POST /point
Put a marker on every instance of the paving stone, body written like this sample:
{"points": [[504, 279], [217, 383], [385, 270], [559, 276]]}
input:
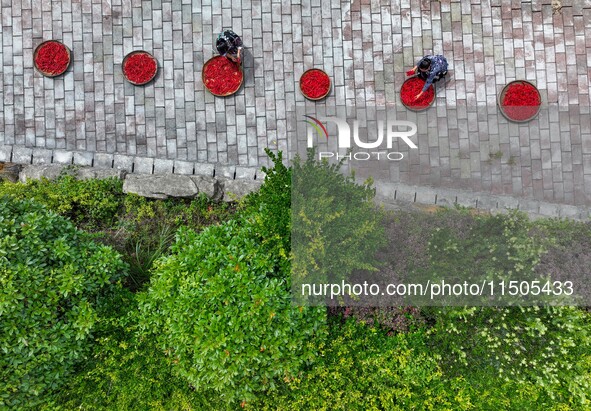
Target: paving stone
{"points": [[22, 155], [425, 195], [225, 171], [122, 162], [42, 156], [103, 160], [143, 165], [204, 169], [163, 166], [62, 157], [245, 173], [83, 158], [183, 167], [5, 153]]}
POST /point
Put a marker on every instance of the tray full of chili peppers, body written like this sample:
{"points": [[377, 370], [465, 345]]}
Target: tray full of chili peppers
{"points": [[139, 67], [221, 76], [315, 84], [520, 101], [52, 58], [409, 94]]}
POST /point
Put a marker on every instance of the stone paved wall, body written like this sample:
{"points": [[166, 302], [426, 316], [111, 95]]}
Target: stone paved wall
{"points": [[364, 45]]}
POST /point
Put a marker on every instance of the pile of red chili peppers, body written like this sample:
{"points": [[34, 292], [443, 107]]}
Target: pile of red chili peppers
{"points": [[222, 76], [139, 68], [521, 101], [411, 89], [52, 58], [315, 83]]}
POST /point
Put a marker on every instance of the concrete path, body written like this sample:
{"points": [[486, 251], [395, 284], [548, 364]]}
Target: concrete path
{"points": [[364, 45]]}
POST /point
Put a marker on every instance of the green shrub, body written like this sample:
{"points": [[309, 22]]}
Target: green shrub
{"points": [[548, 348], [360, 368], [125, 372], [336, 227], [52, 280], [91, 203], [224, 317], [269, 209]]}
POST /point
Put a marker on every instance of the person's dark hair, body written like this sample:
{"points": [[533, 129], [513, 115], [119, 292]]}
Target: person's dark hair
{"points": [[222, 46], [424, 64]]}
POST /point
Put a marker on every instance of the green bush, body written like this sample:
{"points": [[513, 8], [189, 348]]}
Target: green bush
{"points": [[125, 372], [360, 368], [224, 317], [90, 203], [52, 280], [548, 348], [336, 227], [271, 204]]}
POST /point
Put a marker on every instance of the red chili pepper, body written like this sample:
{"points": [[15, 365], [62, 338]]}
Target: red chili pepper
{"points": [[521, 101], [52, 58], [314, 83], [411, 89], [222, 76], [140, 68]]}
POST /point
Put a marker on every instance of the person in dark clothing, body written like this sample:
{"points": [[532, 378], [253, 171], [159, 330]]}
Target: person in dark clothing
{"points": [[229, 44], [431, 69]]}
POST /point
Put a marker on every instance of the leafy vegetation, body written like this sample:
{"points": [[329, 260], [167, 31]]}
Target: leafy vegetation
{"points": [[90, 204], [53, 279], [207, 321], [336, 227], [224, 317], [360, 368]]}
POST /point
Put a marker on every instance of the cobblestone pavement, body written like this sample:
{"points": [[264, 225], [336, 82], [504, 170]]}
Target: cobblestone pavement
{"points": [[365, 46]]}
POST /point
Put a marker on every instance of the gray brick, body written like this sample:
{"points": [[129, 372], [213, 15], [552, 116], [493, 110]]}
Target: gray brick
{"points": [[22, 155], [143, 165], [225, 171], [42, 156], [83, 158], [103, 160], [183, 167], [163, 166], [123, 162], [245, 173], [62, 157], [5, 153], [204, 169], [549, 210]]}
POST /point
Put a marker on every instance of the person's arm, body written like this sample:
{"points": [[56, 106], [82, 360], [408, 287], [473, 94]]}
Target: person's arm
{"points": [[429, 81], [412, 71]]}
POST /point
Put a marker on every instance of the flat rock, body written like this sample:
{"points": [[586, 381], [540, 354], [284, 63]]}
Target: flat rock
{"points": [[234, 190], [171, 185], [37, 172], [100, 173]]}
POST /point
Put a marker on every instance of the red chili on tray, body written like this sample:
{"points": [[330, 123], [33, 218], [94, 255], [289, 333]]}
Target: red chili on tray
{"points": [[411, 89], [52, 58], [521, 101], [315, 84], [139, 67], [222, 76]]}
